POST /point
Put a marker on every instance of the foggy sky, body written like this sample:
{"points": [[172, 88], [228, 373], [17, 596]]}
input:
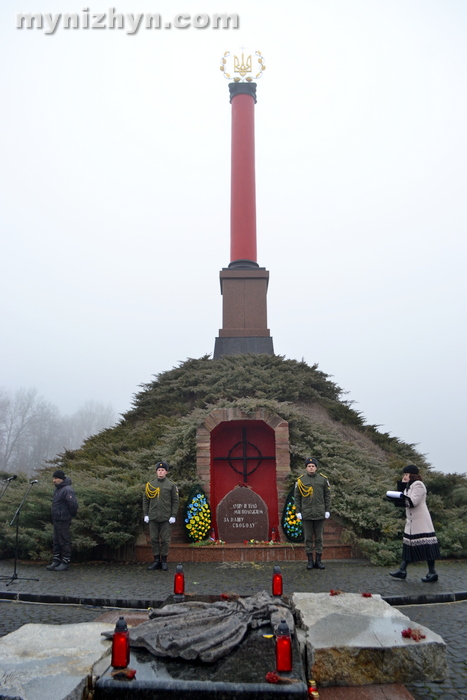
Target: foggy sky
{"points": [[114, 201]]}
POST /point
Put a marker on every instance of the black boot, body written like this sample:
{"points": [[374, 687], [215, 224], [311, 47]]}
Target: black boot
{"points": [[318, 563], [310, 561], [401, 572], [54, 565], [63, 566], [431, 576], [164, 566], [156, 564]]}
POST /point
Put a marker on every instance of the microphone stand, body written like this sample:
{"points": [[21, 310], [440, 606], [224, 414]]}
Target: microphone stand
{"points": [[7, 483], [14, 576]]}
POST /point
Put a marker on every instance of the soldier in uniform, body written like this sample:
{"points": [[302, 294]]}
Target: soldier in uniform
{"points": [[160, 506], [313, 502]]}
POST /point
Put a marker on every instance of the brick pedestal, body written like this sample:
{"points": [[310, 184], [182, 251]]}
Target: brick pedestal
{"points": [[244, 312]]}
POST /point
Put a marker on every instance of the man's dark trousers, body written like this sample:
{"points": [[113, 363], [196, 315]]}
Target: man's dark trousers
{"points": [[313, 529], [62, 540], [160, 537]]}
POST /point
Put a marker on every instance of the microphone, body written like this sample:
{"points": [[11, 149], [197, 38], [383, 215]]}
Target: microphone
{"points": [[11, 478], [36, 481]]}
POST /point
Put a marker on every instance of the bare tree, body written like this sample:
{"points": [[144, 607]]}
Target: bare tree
{"points": [[20, 416], [33, 431], [90, 419]]}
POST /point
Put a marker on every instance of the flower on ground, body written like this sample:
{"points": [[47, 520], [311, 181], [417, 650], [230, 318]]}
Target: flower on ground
{"points": [[415, 634], [272, 677]]}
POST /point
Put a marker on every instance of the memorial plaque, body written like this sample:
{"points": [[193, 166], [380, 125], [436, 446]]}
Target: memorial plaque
{"points": [[242, 515]]}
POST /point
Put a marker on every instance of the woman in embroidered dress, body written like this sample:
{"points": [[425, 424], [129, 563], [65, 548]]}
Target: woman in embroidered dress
{"points": [[419, 542]]}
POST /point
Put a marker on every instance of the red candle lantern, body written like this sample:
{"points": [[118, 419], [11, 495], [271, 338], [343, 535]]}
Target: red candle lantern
{"points": [[312, 689], [275, 535], [283, 648], [277, 581], [121, 645], [179, 581]]}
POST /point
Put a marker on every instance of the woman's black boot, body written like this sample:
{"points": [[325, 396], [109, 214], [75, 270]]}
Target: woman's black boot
{"points": [[401, 572], [431, 576]]}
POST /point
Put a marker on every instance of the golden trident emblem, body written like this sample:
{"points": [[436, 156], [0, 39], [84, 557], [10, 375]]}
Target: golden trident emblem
{"points": [[231, 64], [242, 68]]}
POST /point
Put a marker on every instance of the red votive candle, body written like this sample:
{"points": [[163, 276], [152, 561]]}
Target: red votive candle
{"points": [[121, 645], [277, 581], [179, 581], [283, 648]]}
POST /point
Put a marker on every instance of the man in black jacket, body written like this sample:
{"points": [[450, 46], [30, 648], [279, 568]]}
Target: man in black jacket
{"points": [[64, 508]]}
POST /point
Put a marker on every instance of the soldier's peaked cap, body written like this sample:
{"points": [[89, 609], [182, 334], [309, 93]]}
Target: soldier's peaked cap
{"points": [[311, 460]]}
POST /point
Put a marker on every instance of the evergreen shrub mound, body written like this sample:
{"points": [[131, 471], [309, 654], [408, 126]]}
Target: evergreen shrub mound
{"points": [[110, 469]]}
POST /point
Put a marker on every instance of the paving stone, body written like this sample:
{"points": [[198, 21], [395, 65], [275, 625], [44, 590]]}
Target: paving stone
{"points": [[374, 692]]}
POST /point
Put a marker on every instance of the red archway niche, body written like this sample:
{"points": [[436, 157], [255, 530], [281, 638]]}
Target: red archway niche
{"points": [[243, 452], [274, 483]]}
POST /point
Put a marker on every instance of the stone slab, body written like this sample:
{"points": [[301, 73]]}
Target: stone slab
{"points": [[238, 676], [352, 640], [50, 662]]}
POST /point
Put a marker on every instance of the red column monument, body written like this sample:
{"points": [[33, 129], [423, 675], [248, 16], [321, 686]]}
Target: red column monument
{"points": [[243, 186], [243, 284]]}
